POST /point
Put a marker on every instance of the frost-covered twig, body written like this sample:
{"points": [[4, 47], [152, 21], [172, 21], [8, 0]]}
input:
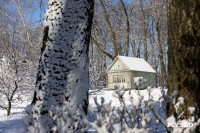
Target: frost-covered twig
{"points": [[157, 115]]}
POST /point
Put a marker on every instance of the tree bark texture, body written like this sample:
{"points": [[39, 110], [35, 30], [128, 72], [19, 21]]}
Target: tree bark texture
{"points": [[62, 77], [9, 108], [184, 52], [145, 16], [161, 58]]}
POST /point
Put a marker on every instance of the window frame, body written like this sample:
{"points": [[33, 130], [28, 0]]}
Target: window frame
{"points": [[119, 79]]}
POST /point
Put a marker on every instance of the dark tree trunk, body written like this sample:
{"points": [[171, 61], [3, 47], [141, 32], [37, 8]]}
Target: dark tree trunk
{"points": [[161, 58], [117, 48], [9, 108], [127, 29], [184, 52]]}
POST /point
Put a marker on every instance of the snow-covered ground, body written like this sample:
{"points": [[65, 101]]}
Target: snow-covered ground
{"points": [[14, 122], [111, 95]]}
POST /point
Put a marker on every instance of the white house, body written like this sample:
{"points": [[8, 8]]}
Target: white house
{"points": [[123, 69]]}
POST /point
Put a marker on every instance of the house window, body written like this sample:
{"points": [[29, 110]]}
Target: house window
{"points": [[118, 78], [114, 78], [123, 78]]}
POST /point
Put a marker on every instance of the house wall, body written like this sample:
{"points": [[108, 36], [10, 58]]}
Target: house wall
{"points": [[126, 83], [146, 75], [118, 66]]}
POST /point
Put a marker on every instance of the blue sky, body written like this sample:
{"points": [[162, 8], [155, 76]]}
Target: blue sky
{"points": [[38, 15]]}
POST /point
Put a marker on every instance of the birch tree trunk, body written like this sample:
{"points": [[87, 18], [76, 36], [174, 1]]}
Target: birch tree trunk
{"points": [[62, 78], [184, 52]]}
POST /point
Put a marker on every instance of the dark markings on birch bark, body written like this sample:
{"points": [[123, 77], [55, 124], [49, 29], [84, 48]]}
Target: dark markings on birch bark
{"points": [[39, 78], [45, 38]]}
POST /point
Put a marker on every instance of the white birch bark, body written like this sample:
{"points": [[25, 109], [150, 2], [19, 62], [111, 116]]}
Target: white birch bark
{"points": [[62, 78]]}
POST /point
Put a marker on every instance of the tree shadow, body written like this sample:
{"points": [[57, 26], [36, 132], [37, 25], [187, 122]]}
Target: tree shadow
{"points": [[12, 126]]}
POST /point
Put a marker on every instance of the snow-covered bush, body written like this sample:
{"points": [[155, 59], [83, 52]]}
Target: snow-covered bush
{"points": [[97, 71], [97, 78], [136, 116], [179, 123], [125, 119], [139, 81], [141, 116], [66, 119]]}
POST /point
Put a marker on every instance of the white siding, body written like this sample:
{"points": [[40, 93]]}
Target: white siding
{"points": [[118, 66]]}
